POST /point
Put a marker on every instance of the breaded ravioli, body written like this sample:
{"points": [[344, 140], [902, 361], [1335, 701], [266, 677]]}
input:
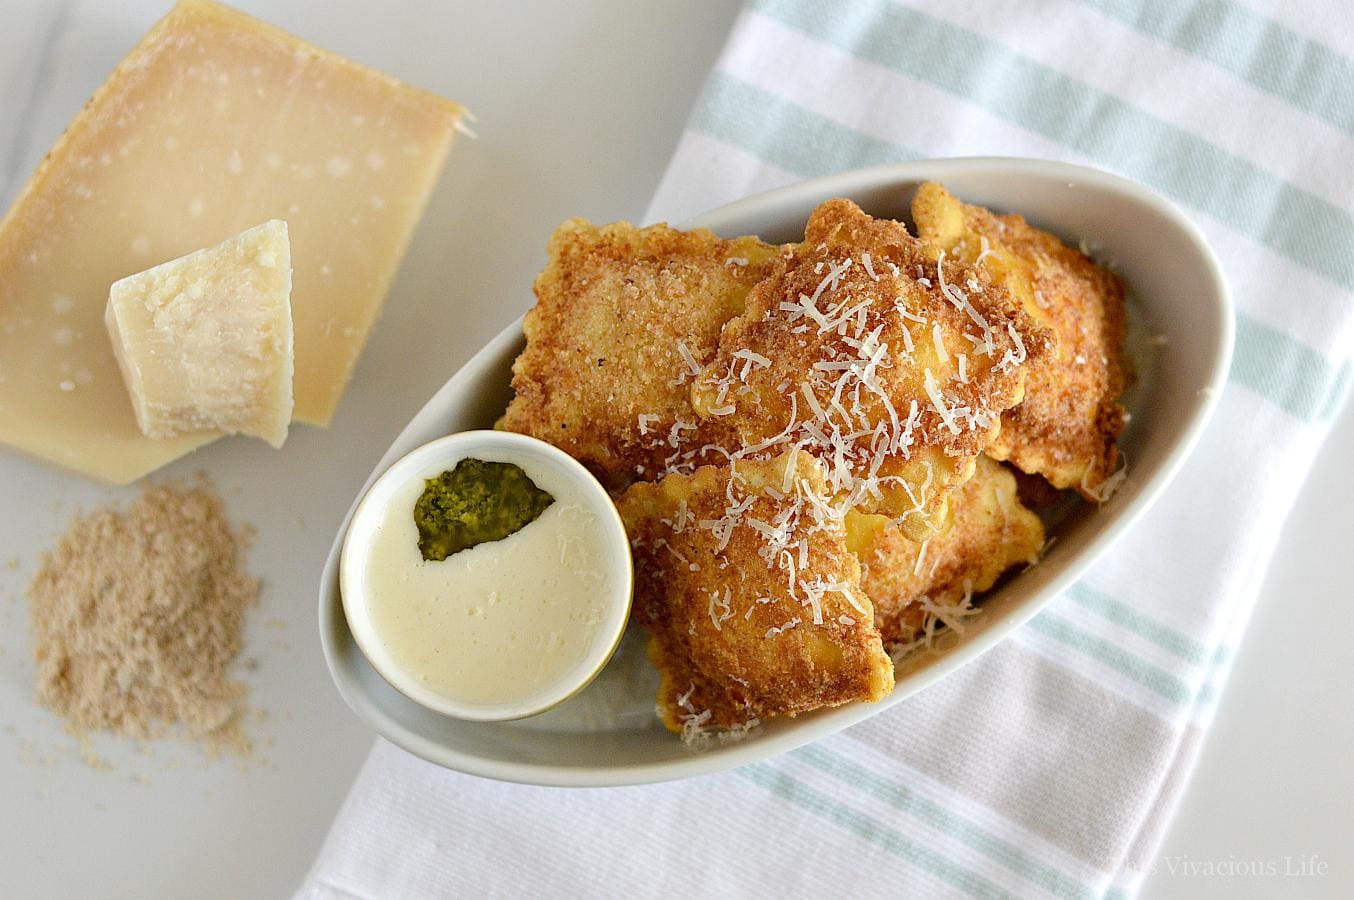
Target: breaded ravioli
{"points": [[891, 368], [750, 595], [624, 317], [989, 532], [1068, 424]]}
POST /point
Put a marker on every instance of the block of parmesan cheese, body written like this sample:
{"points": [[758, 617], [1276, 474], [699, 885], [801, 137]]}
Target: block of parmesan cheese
{"points": [[215, 122], [205, 341]]}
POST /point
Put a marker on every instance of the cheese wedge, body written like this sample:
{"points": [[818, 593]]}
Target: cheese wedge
{"points": [[205, 341], [214, 123]]}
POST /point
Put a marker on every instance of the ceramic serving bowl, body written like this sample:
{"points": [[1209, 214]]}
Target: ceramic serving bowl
{"points": [[608, 734]]}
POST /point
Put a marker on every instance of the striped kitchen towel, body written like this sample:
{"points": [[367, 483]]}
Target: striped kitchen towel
{"points": [[1050, 766]]}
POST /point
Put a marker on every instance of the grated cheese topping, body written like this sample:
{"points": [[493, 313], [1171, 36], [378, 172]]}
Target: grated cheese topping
{"points": [[935, 616], [939, 340], [841, 411], [961, 302], [1107, 488]]}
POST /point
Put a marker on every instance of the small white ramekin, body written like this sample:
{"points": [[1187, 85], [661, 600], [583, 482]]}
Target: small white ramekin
{"points": [[442, 454]]}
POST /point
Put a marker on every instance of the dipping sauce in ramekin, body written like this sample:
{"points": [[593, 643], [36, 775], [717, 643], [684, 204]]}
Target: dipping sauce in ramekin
{"points": [[468, 611]]}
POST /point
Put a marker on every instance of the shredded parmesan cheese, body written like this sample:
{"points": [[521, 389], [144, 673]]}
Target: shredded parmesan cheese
{"points": [[938, 401], [939, 340], [868, 264], [1107, 488]]}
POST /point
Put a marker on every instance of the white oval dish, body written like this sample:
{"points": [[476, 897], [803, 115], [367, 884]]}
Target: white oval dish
{"points": [[608, 734], [554, 471]]}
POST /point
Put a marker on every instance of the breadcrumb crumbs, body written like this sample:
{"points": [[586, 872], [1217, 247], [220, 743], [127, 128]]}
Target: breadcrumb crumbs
{"points": [[137, 619]]}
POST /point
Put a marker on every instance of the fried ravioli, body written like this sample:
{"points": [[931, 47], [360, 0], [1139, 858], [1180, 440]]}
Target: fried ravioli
{"points": [[1067, 426], [989, 532], [750, 595], [624, 318], [892, 369]]}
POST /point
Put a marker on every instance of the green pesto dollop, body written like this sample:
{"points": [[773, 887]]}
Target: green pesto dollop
{"points": [[475, 503]]}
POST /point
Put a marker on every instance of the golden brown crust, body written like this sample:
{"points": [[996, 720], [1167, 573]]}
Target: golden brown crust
{"points": [[733, 630], [846, 387], [862, 289], [613, 305], [1067, 427], [989, 532]]}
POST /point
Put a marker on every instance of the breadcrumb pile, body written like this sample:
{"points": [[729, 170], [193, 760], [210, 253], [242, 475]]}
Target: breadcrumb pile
{"points": [[137, 618]]}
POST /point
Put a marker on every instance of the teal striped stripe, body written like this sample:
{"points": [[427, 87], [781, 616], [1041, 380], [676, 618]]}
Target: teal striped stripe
{"points": [[806, 144], [1292, 222], [1338, 393], [1209, 690], [1293, 375], [870, 829], [1156, 680], [904, 799], [785, 134], [1122, 614], [1267, 55]]}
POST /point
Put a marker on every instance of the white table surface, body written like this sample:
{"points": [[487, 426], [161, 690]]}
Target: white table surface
{"points": [[580, 106]]}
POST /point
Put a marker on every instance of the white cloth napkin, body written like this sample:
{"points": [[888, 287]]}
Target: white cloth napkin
{"points": [[1050, 766]]}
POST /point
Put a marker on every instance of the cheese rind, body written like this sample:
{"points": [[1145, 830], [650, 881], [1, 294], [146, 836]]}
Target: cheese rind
{"points": [[204, 342], [215, 122]]}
